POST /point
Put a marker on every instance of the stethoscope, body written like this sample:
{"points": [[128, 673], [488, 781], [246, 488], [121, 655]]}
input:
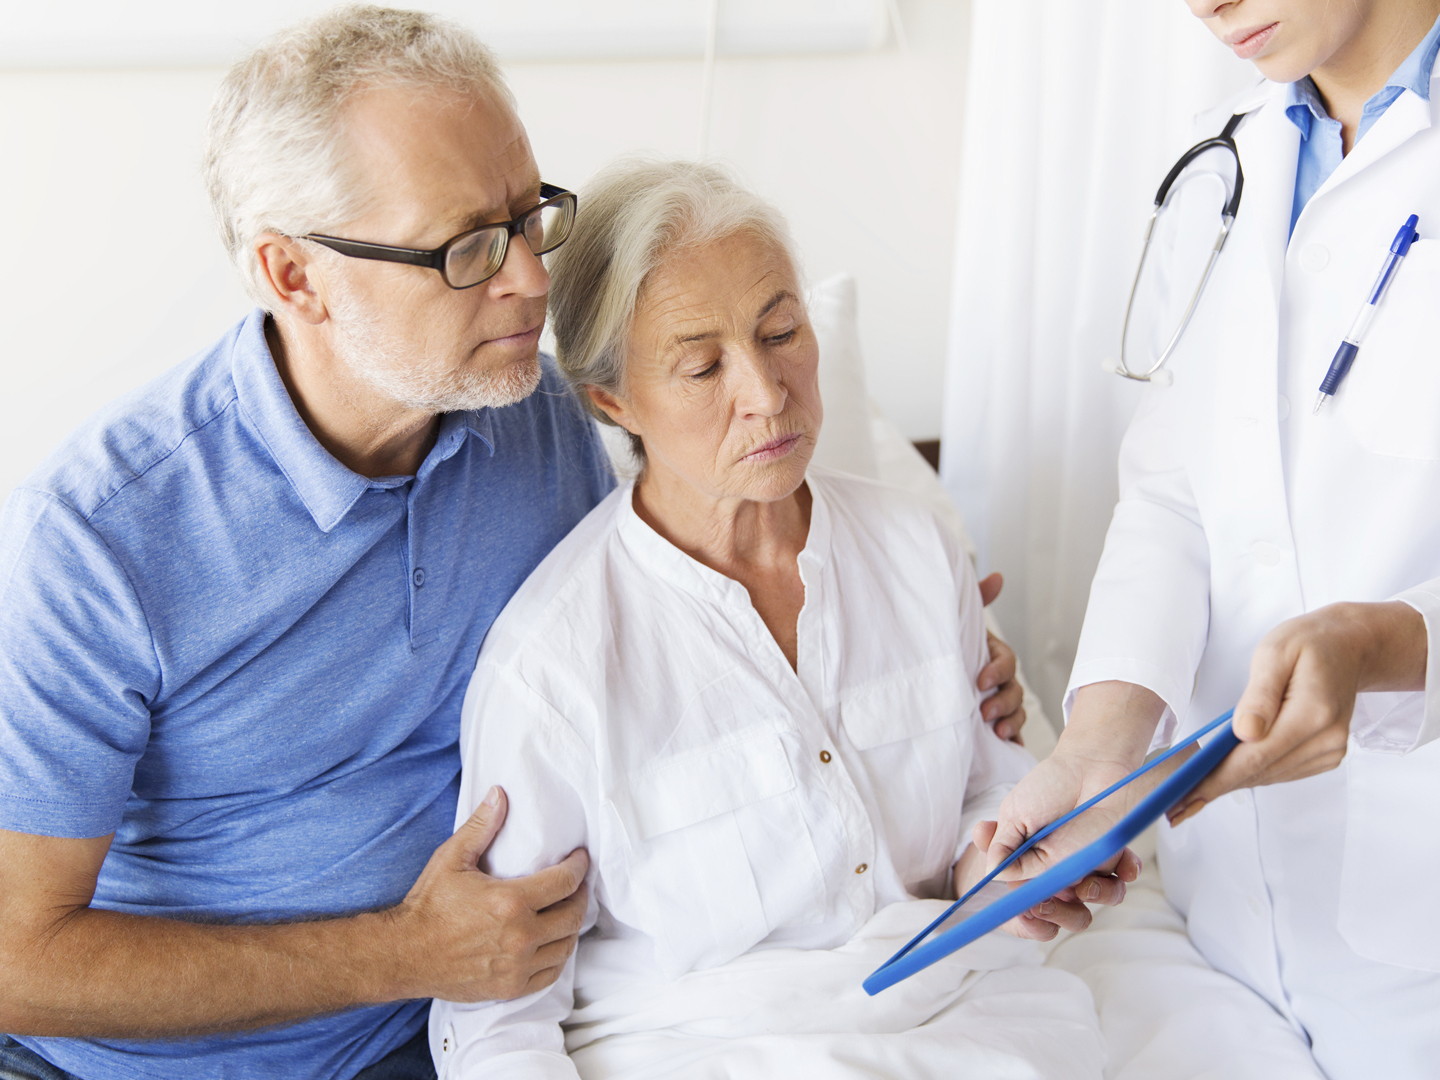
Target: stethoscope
{"points": [[1224, 141]]}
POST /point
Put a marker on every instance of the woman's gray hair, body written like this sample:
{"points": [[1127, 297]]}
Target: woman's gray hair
{"points": [[276, 156], [633, 215]]}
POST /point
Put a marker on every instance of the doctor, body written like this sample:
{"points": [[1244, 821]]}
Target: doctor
{"points": [[1290, 560]]}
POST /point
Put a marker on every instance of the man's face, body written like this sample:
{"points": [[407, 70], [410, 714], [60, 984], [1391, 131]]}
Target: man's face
{"points": [[1285, 39], [435, 163]]}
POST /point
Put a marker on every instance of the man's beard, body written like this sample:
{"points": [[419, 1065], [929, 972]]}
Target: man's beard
{"points": [[410, 378]]}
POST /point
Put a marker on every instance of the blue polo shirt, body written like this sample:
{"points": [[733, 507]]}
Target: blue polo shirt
{"points": [[247, 662]]}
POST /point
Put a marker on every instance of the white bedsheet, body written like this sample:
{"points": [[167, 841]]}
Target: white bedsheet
{"points": [[1165, 1013], [988, 1011]]}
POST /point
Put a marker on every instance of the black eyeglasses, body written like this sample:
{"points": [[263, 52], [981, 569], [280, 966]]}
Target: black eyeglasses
{"points": [[476, 255]]}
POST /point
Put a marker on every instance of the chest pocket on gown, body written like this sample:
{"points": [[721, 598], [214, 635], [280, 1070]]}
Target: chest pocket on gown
{"points": [[720, 854], [1391, 398], [915, 733]]}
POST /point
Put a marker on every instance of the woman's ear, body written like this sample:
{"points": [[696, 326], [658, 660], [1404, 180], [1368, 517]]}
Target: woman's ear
{"points": [[613, 407]]}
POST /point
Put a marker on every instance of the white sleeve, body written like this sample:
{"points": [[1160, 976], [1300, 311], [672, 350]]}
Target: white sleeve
{"points": [[1149, 610], [997, 764], [512, 738], [1396, 723]]}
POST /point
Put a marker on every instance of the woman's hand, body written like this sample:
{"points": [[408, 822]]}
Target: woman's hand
{"points": [[1110, 727], [1293, 720], [1006, 707], [1066, 910]]}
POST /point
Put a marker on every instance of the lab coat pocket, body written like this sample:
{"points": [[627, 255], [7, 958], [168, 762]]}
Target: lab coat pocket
{"points": [[916, 731], [1391, 873], [719, 851], [1391, 398]]}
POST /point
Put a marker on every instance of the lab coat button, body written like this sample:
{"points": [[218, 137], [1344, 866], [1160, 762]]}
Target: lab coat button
{"points": [[1266, 554], [1282, 406], [862, 868], [825, 756], [1314, 257]]}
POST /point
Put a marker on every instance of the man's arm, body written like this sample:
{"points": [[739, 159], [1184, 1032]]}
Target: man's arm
{"points": [[1005, 708], [72, 970]]}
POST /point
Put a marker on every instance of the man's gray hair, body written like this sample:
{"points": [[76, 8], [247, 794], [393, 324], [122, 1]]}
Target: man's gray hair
{"points": [[276, 156], [632, 216]]}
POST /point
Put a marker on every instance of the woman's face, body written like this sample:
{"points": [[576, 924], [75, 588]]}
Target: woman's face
{"points": [[721, 373], [1285, 39]]}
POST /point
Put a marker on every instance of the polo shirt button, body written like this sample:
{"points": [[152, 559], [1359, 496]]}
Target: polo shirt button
{"points": [[418, 577], [1314, 257], [825, 756], [862, 868]]}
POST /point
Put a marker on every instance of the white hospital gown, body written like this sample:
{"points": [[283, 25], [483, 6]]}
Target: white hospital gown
{"points": [[631, 701]]}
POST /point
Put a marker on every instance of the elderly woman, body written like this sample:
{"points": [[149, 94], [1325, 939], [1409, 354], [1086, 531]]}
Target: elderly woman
{"points": [[746, 686]]}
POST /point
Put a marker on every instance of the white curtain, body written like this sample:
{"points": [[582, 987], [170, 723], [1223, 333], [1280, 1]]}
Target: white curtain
{"points": [[1073, 114]]}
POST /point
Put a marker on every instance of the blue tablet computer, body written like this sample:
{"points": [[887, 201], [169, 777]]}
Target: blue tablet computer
{"points": [[919, 953]]}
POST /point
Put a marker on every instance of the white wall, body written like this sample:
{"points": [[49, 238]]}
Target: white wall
{"points": [[113, 272]]}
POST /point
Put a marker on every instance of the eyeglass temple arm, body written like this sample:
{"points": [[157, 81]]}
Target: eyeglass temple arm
{"points": [[358, 249]]}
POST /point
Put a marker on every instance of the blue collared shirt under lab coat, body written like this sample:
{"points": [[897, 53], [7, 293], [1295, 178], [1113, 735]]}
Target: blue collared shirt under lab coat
{"points": [[1321, 148]]}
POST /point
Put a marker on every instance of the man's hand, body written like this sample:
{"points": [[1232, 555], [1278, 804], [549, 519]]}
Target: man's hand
{"points": [[477, 938], [1066, 910], [1293, 720], [1006, 707]]}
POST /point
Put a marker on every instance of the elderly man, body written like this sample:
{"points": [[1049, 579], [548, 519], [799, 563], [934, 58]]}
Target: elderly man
{"points": [[238, 611]]}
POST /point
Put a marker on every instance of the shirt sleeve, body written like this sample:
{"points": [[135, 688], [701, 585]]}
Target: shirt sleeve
{"points": [[1149, 610], [1396, 723], [77, 671], [512, 738]]}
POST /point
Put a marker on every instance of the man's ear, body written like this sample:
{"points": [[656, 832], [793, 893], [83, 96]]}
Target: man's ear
{"points": [[613, 407], [287, 271]]}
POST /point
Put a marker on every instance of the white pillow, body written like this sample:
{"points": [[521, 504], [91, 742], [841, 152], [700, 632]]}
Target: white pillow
{"points": [[846, 442]]}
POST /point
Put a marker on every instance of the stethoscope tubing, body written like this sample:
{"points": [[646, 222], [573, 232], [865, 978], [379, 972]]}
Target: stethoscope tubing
{"points": [[1224, 141]]}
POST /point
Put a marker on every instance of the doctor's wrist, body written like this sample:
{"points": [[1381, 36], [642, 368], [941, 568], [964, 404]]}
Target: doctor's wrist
{"points": [[1391, 641], [1112, 721]]}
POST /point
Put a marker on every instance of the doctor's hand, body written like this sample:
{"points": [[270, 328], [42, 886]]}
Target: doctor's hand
{"points": [[1293, 719], [1006, 707], [1064, 911]]}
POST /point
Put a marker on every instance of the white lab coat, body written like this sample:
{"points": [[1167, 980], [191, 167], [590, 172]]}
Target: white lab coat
{"points": [[1238, 510]]}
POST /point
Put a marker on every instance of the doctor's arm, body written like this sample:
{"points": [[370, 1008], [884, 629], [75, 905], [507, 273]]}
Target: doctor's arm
{"points": [[1145, 631], [996, 765], [1294, 718]]}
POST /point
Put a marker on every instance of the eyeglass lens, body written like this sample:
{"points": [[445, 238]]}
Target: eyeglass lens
{"points": [[478, 256]]}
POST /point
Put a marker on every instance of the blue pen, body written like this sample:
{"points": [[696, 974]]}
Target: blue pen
{"points": [[1345, 355]]}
